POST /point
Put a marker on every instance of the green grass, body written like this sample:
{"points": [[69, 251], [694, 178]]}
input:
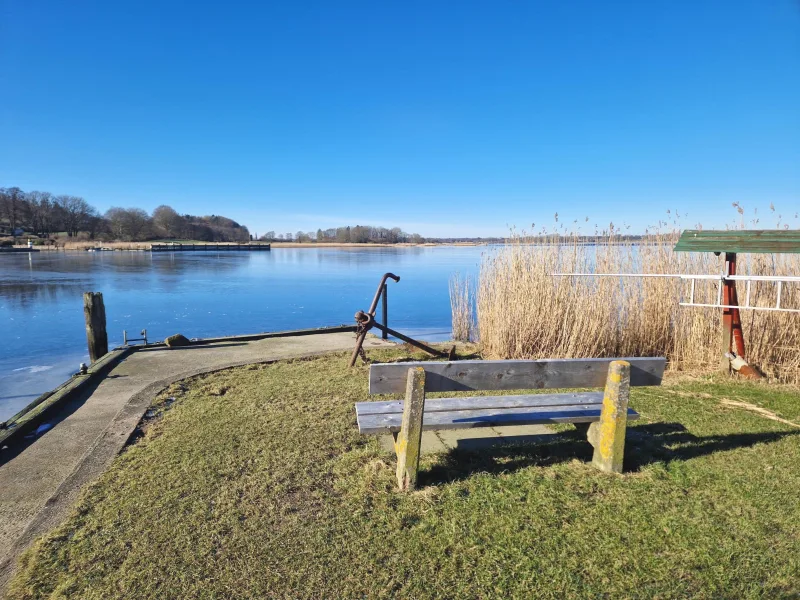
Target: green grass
{"points": [[255, 483]]}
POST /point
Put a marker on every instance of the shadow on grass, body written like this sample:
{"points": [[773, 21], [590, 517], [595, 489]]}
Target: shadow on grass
{"points": [[644, 445]]}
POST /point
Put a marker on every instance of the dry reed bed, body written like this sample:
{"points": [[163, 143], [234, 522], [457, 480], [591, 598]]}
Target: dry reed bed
{"points": [[461, 303], [523, 311]]}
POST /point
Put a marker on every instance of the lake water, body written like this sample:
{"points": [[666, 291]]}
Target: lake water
{"points": [[42, 332]]}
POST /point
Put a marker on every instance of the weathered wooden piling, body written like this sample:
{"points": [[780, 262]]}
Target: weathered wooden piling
{"points": [[94, 311]]}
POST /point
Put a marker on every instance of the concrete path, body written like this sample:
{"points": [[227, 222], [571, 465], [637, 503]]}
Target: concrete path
{"points": [[39, 481]]}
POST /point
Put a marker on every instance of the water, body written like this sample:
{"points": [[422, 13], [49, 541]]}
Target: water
{"points": [[42, 332]]}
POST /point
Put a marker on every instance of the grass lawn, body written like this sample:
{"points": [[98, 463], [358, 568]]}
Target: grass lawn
{"points": [[254, 483]]}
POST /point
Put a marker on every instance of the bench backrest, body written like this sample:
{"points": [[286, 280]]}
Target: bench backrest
{"points": [[475, 375]]}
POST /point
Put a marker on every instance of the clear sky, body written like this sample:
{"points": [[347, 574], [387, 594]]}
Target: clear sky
{"points": [[444, 118]]}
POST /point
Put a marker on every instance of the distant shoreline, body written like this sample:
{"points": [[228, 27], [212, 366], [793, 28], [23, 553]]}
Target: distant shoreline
{"points": [[145, 246], [142, 246], [369, 245]]}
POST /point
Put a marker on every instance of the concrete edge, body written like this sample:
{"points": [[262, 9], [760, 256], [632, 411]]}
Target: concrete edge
{"points": [[31, 416], [102, 452]]}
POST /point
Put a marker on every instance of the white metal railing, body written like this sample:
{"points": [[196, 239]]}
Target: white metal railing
{"points": [[779, 280]]}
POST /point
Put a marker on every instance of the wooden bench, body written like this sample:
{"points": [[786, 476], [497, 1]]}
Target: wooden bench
{"points": [[603, 415]]}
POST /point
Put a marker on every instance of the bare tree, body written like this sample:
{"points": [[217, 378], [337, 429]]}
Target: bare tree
{"points": [[168, 221], [11, 205], [96, 225], [138, 223], [130, 224], [42, 211], [74, 212]]}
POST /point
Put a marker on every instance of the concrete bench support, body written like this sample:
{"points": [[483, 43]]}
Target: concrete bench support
{"points": [[407, 441], [608, 434]]}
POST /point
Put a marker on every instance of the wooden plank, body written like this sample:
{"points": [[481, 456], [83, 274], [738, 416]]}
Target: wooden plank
{"points": [[472, 375], [483, 402], [758, 241], [467, 419]]}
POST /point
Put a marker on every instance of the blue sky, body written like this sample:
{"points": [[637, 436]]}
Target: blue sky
{"points": [[445, 118]]}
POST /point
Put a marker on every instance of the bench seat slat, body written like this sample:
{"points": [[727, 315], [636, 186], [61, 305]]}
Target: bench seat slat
{"points": [[466, 419], [483, 402]]}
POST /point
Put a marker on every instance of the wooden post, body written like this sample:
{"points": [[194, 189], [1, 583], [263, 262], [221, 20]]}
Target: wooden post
{"points": [[385, 335], [407, 442], [94, 311], [608, 435]]}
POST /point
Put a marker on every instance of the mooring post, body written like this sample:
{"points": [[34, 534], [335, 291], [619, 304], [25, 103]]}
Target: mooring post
{"points": [[385, 335], [94, 311]]}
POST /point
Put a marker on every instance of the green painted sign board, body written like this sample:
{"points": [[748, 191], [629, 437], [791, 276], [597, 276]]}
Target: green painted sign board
{"points": [[744, 241]]}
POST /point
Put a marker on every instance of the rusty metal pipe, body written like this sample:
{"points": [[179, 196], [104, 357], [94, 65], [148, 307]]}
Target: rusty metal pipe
{"points": [[366, 321], [367, 324], [411, 341], [359, 343], [385, 305], [374, 305]]}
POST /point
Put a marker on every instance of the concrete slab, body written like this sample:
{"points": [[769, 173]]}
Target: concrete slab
{"points": [[476, 438], [41, 478], [431, 443]]}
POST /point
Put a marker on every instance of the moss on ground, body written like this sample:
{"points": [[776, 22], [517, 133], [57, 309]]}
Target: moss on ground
{"points": [[254, 483]]}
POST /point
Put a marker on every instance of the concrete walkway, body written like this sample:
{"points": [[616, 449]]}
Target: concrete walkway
{"points": [[39, 481]]}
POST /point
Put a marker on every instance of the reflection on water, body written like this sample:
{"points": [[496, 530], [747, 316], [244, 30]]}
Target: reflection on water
{"points": [[42, 336]]}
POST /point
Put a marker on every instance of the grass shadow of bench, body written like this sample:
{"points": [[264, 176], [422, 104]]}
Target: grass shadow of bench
{"points": [[645, 445]]}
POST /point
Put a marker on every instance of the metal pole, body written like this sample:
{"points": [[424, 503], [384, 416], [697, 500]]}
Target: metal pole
{"points": [[371, 312], [416, 343], [374, 304], [738, 334], [385, 335], [724, 297]]}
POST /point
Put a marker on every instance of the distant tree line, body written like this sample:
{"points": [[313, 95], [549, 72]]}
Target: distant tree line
{"points": [[45, 215], [357, 234]]}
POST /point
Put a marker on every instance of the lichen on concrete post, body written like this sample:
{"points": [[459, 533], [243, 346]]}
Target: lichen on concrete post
{"points": [[608, 434], [407, 442]]}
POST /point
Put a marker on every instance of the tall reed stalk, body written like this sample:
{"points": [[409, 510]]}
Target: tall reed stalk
{"points": [[461, 308], [524, 311]]}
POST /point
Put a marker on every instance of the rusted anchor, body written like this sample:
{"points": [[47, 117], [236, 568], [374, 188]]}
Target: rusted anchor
{"points": [[366, 321]]}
